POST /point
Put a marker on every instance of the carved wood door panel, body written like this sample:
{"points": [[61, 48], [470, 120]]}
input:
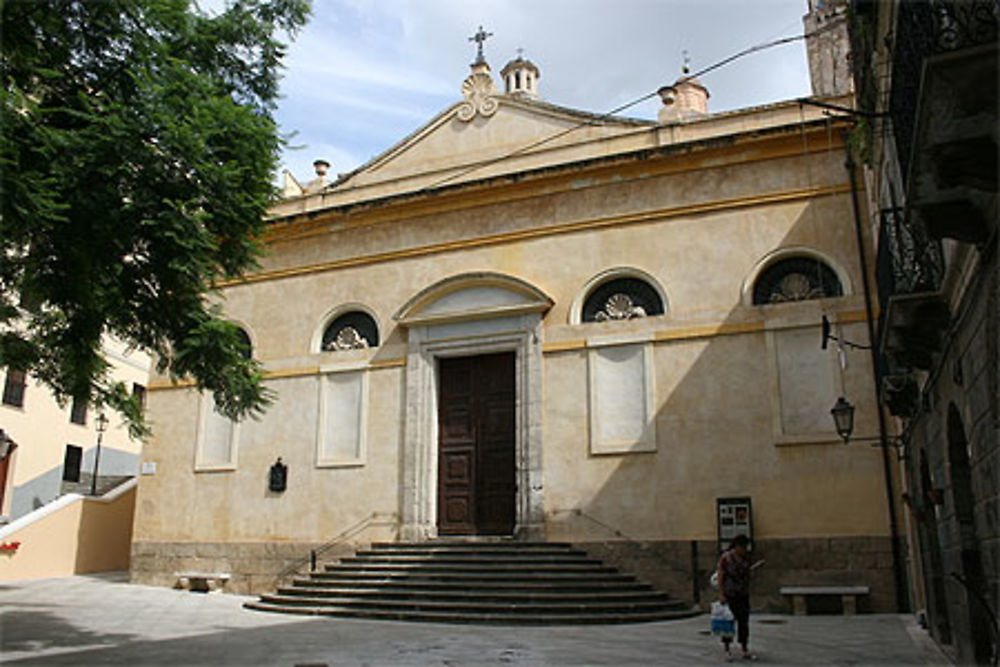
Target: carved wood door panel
{"points": [[476, 445]]}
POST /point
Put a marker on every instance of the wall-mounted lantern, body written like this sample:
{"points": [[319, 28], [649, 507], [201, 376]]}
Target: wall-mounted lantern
{"points": [[278, 478], [843, 418]]}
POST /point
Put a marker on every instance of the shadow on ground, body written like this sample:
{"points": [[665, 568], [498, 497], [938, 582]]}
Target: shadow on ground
{"points": [[29, 630], [872, 640]]}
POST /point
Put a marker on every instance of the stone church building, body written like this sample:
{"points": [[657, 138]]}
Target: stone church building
{"points": [[532, 323]]}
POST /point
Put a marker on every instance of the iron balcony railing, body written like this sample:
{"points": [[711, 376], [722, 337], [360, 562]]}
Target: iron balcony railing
{"points": [[925, 28], [909, 261]]}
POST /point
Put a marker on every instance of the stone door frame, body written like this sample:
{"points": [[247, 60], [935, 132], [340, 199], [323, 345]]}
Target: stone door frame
{"points": [[470, 314], [420, 445]]}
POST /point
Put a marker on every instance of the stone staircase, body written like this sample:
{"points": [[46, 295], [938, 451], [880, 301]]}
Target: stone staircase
{"points": [[501, 582], [105, 483]]}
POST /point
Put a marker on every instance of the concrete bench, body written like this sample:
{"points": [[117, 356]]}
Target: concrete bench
{"points": [[204, 582], [848, 595]]}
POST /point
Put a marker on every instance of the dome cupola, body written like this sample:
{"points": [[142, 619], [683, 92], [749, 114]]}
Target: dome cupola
{"points": [[520, 77]]}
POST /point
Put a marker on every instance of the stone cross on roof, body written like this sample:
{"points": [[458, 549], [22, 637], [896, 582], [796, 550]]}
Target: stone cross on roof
{"points": [[479, 38]]}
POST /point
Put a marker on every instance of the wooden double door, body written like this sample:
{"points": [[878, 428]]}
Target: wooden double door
{"points": [[476, 443]]}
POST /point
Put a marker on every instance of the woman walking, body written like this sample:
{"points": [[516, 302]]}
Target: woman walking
{"points": [[734, 589]]}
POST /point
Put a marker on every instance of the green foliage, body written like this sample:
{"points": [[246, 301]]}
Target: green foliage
{"points": [[136, 155]]}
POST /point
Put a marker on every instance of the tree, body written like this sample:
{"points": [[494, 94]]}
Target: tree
{"points": [[136, 156]]}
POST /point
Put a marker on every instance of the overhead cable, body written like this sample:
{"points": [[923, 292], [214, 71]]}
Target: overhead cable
{"points": [[602, 117]]}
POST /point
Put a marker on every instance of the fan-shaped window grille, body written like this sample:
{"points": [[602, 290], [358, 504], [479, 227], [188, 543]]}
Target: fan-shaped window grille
{"points": [[622, 299], [351, 331], [247, 346], [796, 279]]}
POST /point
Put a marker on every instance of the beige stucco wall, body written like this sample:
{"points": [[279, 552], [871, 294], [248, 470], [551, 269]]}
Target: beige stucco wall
{"points": [[42, 429], [176, 503], [83, 535], [698, 224]]}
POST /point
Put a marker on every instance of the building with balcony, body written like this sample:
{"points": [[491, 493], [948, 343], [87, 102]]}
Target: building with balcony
{"points": [[926, 80]]}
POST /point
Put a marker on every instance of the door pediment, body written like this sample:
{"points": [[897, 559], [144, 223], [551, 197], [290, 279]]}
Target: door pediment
{"points": [[472, 296]]}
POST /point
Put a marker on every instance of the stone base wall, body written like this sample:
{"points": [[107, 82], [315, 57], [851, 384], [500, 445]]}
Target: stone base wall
{"points": [[683, 568], [254, 567], [953, 470]]}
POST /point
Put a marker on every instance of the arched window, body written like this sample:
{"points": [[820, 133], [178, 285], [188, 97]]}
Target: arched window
{"points": [[247, 346], [621, 299], [353, 330], [796, 279]]}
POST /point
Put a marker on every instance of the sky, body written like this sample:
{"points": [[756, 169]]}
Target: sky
{"points": [[364, 74]]}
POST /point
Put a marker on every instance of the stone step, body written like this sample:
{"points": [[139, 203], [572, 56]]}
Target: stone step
{"points": [[568, 585], [607, 595], [497, 618], [450, 575], [469, 556], [105, 483], [468, 606], [461, 566], [476, 545], [475, 581], [472, 550]]}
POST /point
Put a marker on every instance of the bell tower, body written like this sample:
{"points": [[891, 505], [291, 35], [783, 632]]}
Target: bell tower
{"points": [[520, 77], [828, 47]]}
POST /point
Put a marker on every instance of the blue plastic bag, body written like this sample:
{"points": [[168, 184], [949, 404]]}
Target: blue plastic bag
{"points": [[723, 624]]}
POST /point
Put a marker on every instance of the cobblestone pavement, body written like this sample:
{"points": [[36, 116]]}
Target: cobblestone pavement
{"points": [[102, 620]]}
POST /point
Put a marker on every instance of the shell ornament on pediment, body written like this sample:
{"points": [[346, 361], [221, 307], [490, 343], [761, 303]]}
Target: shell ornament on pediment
{"points": [[478, 90]]}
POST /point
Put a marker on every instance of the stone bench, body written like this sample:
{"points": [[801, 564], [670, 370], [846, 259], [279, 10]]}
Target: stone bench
{"points": [[848, 595], [203, 582]]}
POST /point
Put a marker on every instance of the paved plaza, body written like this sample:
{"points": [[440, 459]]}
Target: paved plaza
{"points": [[102, 620]]}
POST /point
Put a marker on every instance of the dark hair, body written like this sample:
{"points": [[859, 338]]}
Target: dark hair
{"points": [[740, 541]]}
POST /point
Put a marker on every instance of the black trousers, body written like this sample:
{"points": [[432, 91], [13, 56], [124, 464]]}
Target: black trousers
{"points": [[740, 606]]}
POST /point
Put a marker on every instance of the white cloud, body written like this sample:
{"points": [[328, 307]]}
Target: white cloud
{"points": [[365, 73]]}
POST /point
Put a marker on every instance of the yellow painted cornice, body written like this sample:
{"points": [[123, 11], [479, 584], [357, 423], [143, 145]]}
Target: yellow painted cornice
{"points": [[551, 230], [695, 332], [711, 331], [554, 347], [375, 364], [723, 151]]}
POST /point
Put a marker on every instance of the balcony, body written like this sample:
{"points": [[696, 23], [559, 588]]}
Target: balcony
{"points": [[943, 106], [913, 312]]}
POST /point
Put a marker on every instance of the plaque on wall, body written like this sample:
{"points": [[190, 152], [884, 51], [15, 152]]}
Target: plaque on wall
{"points": [[734, 518]]}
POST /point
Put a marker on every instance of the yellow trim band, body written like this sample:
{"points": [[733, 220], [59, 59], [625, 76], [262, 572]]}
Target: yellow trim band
{"points": [[282, 374], [526, 234]]}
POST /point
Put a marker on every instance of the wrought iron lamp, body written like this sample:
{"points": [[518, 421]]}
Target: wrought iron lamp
{"points": [[101, 423], [843, 418]]}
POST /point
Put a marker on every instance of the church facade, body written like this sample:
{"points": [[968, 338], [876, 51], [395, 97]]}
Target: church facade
{"points": [[529, 322]]}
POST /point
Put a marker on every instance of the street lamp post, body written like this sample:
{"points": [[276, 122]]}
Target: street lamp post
{"points": [[102, 425]]}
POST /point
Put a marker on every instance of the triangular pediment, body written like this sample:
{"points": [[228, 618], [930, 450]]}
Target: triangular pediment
{"points": [[459, 140]]}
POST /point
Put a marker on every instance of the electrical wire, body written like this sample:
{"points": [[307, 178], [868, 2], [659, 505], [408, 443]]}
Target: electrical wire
{"points": [[602, 117]]}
